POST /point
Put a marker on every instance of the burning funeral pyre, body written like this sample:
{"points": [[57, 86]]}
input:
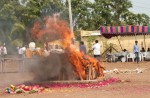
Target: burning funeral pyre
{"points": [[83, 66]]}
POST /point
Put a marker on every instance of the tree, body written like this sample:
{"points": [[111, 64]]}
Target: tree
{"points": [[37, 10], [18, 16], [110, 12], [120, 8], [26, 13], [145, 19], [7, 21], [81, 14], [102, 13], [130, 19]]}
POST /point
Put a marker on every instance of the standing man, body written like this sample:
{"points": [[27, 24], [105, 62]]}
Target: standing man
{"points": [[96, 50], [82, 47], [136, 51]]}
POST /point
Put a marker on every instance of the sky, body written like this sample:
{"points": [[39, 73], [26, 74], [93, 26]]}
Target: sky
{"points": [[139, 6]]}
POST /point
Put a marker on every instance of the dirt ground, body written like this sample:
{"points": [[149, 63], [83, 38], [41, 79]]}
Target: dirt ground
{"points": [[132, 85]]}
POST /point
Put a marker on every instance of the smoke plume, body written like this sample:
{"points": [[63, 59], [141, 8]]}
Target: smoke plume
{"points": [[57, 65], [54, 67]]}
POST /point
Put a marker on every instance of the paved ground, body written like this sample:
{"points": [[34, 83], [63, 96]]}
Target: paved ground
{"points": [[133, 85]]}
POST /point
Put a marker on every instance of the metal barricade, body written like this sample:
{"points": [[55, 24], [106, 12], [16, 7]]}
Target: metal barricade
{"points": [[8, 65]]}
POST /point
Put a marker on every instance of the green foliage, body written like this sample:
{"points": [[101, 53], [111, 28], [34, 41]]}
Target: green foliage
{"points": [[90, 41], [81, 14], [77, 35], [18, 16]]}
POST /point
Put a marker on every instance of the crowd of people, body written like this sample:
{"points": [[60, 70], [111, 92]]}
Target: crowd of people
{"points": [[123, 54], [137, 51], [3, 51], [96, 48]]}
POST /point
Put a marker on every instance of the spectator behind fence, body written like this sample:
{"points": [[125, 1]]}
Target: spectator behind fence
{"points": [[82, 47]]}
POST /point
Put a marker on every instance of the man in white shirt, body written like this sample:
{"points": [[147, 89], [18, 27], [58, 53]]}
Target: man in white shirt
{"points": [[96, 50]]}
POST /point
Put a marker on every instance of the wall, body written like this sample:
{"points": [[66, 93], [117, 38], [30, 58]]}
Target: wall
{"points": [[126, 42]]}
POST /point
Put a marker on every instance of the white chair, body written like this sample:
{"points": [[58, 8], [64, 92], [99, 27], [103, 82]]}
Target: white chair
{"points": [[144, 54], [130, 56], [123, 59], [147, 56]]}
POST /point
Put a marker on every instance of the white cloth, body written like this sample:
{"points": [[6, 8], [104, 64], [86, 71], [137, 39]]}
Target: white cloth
{"points": [[5, 50], [96, 49], [20, 51]]}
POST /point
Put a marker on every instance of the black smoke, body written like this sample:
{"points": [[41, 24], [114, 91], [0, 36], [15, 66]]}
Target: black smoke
{"points": [[54, 67]]}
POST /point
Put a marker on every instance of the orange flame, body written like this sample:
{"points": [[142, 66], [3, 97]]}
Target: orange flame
{"points": [[56, 29]]}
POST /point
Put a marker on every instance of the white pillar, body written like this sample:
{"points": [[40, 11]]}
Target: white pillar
{"points": [[70, 15]]}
